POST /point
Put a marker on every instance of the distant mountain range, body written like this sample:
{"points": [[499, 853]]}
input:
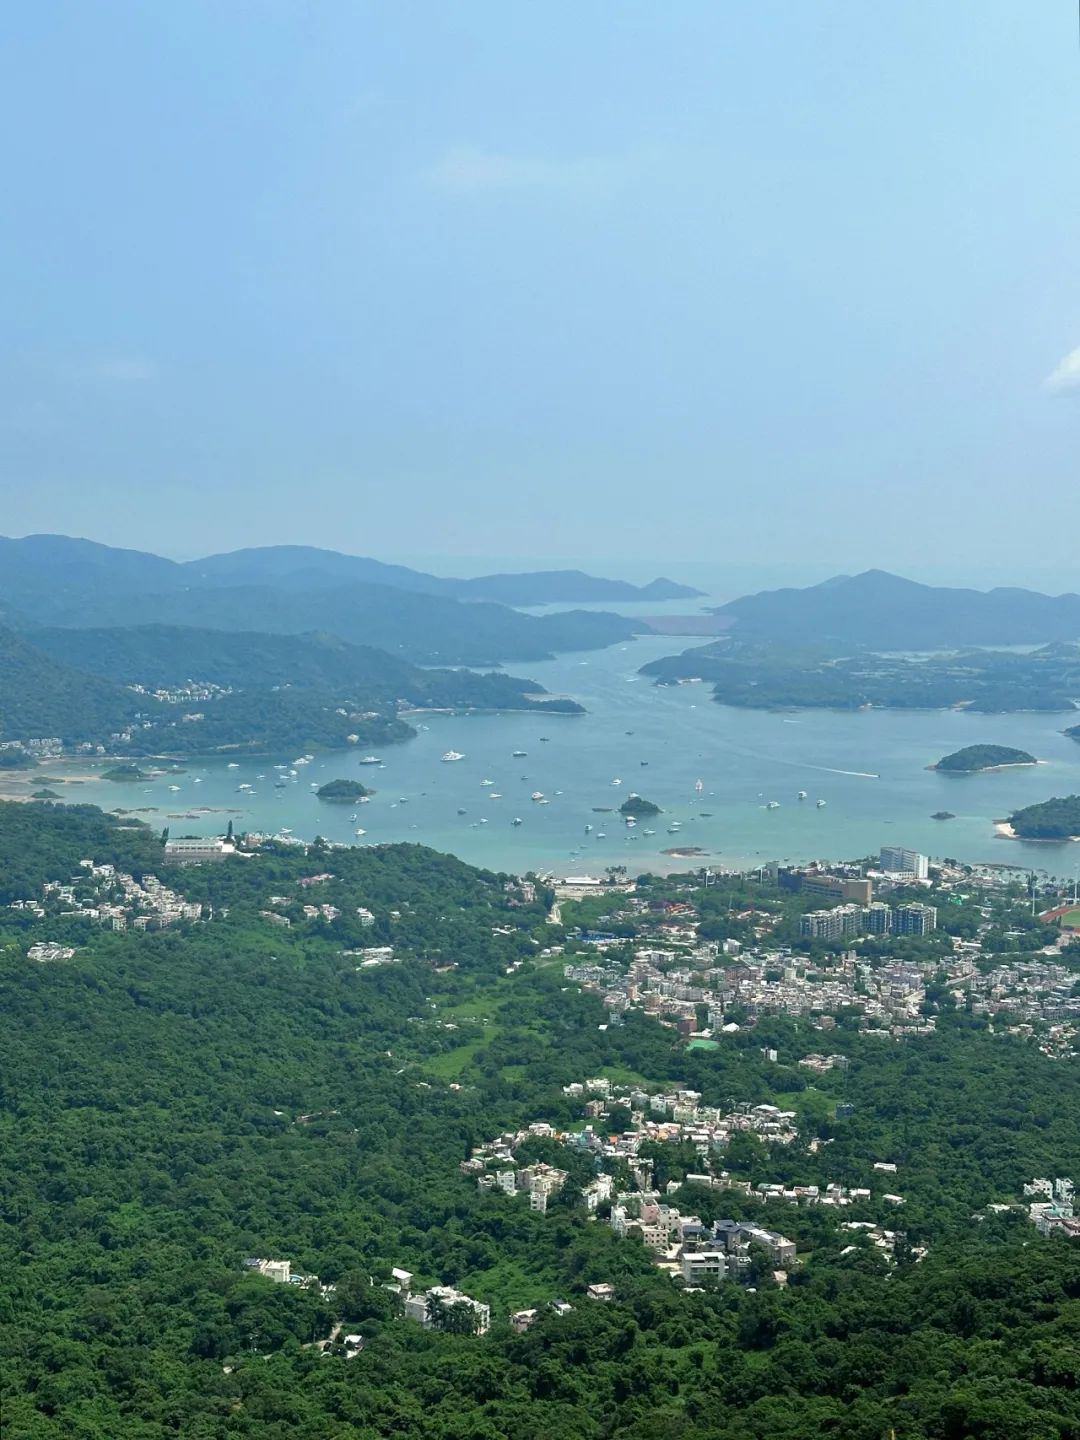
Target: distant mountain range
{"points": [[887, 612], [76, 564], [54, 580]]}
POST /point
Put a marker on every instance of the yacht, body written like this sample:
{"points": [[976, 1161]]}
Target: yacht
{"points": [[821, 804], [773, 805], [516, 820], [616, 781], [174, 787], [537, 795], [698, 786], [361, 832], [461, 810], [801, 795], [453, 755], [588, 829], [487, 783], [600, 835], [233, 765], [369, 760], [494, 795], [648, 832], [519, 754]]}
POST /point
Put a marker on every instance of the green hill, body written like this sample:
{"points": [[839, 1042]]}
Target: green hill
{"points": [[982, 757], [1054, 819]]}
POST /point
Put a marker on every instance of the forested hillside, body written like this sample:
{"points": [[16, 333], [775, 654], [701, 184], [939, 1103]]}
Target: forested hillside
{"points": [[174, 1102]]}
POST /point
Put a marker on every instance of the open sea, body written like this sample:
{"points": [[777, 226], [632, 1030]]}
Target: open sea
{"points": [[869, 767]]}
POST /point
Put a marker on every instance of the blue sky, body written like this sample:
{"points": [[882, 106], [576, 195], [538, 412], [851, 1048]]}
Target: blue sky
{"points": [[792, 286]]}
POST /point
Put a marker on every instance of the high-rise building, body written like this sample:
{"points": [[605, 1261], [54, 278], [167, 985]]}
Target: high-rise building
{"points": [[897, 861], [915, 919], [833, 924], [877, 919]]}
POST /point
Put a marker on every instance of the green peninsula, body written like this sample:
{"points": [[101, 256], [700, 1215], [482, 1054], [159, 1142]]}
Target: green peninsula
{"points": [[1055, 819], [973, 758]]}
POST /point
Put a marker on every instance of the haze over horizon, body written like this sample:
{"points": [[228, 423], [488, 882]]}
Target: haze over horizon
{"points": [[771, 293]]}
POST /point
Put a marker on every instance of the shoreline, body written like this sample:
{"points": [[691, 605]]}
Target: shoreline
{"points": [[1004, 831], [986, 769]]}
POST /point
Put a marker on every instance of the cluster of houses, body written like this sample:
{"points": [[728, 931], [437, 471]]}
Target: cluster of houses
{"points": [[110, 897], [1051, 1208]]}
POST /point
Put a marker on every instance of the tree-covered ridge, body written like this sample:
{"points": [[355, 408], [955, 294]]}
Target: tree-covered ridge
{"points": [[1055, 819], [173, 1102], [201, 692], [811, 673], [983, 757]]}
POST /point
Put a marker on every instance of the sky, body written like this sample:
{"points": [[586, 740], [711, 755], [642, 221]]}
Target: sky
{"points": [[776, 288]]}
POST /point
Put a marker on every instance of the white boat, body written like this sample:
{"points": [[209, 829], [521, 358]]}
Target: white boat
{"points": [[516, 820], [519, 754], [453, 755], [648, 832], [487, 782], [233, 765], [174, 787], [630, 820], [616, 781], [801, 795], [494, 795], [369, 760], [698, 786], [600, 835], [198, 779], [821, 804], [773, 805], [588, 829], [537, 795], [361, 832]]}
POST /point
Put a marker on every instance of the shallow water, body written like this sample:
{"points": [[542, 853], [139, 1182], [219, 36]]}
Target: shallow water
{"points": [[869, 767]]}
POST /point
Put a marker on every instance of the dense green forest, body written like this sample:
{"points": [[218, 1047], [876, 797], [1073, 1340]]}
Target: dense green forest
{"points": [[276, 692], [1054, 819], [174, 1102], [166, 656], [812, 674], [983, 757]]}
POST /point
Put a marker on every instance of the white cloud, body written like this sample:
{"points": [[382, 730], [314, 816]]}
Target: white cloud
{"points": [[469, 170], [1064, 379]]}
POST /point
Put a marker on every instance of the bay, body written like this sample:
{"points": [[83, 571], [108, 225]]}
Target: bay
{"points": [[869, 767]]}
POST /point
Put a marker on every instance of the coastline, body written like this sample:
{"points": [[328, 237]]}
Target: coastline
{"points": [[986, 769], [1004, 831]]}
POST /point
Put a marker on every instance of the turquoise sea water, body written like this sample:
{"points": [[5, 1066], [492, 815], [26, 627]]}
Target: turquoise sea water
{"points": [[869, 767]]}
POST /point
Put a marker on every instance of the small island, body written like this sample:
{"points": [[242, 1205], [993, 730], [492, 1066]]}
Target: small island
{"points": [[973, 758], [943, 815], [45, 794], [637, 807], [1054, 819], [343, 791], [1073, 732], [124, 772]]}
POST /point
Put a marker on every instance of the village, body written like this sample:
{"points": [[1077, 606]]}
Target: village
{"points": [[705, 988]]}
